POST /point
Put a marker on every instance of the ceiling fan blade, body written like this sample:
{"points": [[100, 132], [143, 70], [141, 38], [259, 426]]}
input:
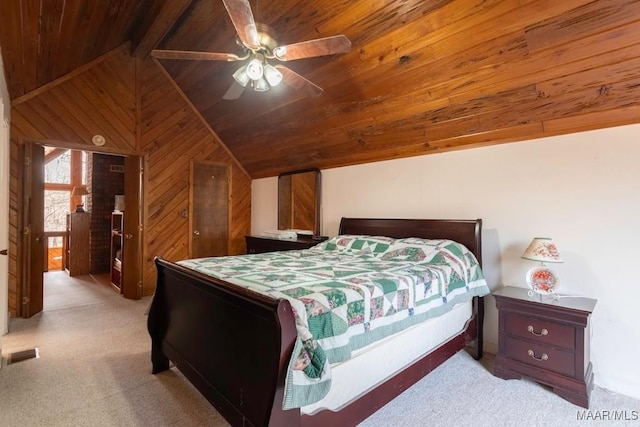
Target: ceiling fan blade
{"points": [[192, 55], [296, 81], [234, 91], [242, 18], [311, 48]]}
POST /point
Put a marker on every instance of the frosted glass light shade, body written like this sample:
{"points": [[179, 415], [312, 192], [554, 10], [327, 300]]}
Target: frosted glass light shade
{"points": [[259, 73], [261, 85], [241, 76], [255, 70], [272, 74]]}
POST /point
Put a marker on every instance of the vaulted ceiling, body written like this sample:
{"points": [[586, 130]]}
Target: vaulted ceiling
{"points": [[422, 76]]}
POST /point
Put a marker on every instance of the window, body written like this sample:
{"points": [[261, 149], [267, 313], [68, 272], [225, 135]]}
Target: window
{"points": [[58, 170], [56, 207]]}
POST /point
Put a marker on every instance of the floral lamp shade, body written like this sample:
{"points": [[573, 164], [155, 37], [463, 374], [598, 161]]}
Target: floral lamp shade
{"points": [[542, 279], [542, 249]]}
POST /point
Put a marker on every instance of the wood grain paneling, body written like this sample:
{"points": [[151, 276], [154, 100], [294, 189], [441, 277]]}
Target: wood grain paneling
{"points": [[44, 40], [102, 99], [171, 136], [423, 77]]}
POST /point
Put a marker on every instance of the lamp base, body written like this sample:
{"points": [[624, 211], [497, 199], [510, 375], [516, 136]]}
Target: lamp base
{"points": [[79, 209], [542, 279]]}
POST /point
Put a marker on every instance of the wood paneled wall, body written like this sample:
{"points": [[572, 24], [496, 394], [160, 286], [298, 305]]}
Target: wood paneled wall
{"points": [[99, 99], [172, 134], [140, 112], [44, 40]]}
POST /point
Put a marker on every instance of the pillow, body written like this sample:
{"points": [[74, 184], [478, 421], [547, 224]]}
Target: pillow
{"points": [[413, 249], [357, 244]]}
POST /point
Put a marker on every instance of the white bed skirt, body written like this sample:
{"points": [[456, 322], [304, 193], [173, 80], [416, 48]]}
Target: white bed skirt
{"points": [[389, 356]]}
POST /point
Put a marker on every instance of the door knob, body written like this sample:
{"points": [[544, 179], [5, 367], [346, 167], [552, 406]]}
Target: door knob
{"points": [[128, 236], [197, 233], [4, 252]]}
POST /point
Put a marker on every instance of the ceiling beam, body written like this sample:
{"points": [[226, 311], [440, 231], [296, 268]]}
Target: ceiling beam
{"points": [[143, 42], [54, 154]]}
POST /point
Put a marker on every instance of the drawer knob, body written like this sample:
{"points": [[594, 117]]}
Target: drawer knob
{"points": [[542, 333], [533, 356]]}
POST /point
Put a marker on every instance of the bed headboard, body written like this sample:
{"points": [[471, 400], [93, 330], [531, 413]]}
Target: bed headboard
{"points": [[467, 232]]}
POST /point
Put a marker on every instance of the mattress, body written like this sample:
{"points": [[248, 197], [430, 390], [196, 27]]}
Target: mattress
{"points": [[350, 292], [354, 377]]}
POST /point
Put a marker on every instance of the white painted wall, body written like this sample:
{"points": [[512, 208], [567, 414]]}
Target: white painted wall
{"points": [[583, 190], [4, 202]]}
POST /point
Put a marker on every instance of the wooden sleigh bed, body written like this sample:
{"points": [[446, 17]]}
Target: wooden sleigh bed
{"points": [[197, 321]]}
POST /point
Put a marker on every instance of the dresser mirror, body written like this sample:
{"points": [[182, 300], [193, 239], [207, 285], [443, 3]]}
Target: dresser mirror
{"points": [[299, 200]]}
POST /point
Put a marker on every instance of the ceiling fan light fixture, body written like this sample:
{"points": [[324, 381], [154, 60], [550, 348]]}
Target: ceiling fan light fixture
{"points": [[255, 69], [241, 76], [272, 74], [260, 85], [259, 44]]}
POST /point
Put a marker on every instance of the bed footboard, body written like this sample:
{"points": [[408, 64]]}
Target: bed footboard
{"points": [[231, 343]]}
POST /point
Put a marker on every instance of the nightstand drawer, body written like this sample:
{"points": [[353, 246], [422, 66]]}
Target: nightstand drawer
{"points": [[546, 333], [547, 358]]}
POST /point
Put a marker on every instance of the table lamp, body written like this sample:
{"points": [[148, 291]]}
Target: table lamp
{"points": [[79, 191], [542, 279]]}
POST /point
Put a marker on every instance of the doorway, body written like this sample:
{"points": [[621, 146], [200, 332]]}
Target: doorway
{"points": [[59, 241], [65, 190]]}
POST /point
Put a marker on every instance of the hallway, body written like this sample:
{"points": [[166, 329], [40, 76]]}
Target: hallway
{"points": [[63, 291]]}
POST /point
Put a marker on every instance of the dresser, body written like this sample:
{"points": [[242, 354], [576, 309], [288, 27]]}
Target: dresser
{"points": [[260, 244], [76, 258], [546, 340]]}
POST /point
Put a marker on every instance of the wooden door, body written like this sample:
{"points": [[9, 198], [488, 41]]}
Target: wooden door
{"points": [[284, 202], [209, 210], [33, 230], [303, 201], [4, 222], [299, 200], [132, 229]]}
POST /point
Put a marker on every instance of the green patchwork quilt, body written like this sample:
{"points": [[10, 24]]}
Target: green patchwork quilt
{"points": [[350, 291]]}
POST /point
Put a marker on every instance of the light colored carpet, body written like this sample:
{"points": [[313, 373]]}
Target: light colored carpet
{"points": [[94, 367], [463, 392], [94, 370]]}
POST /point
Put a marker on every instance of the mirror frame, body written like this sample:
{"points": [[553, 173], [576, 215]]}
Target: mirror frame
{"points": [[316, 208]]}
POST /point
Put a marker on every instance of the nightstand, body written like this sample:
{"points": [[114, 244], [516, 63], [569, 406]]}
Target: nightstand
{"points": [[259, 244], [547, 340]]}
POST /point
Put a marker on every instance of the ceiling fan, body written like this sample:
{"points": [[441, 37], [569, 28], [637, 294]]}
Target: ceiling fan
{"points": [[259, 45]]}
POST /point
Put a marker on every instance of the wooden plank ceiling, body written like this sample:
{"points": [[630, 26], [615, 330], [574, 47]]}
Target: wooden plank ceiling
{"points": [[422, 76]]}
